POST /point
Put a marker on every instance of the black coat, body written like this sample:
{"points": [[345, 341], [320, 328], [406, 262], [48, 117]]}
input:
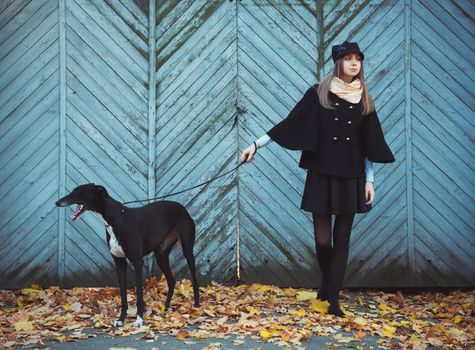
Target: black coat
{"points": [[334, 141]]}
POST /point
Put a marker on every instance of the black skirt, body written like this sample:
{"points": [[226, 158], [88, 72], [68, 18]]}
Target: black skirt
{"points": [[334, 195]]}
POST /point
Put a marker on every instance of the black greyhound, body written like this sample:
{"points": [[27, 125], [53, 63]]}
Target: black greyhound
{"points": [[133, 233]]}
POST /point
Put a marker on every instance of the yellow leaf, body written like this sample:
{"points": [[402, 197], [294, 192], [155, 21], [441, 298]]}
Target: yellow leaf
{"points": [[260, 288], [184, 291], [279, 326], [383, 307], [200, 334], [61, 338], [35, 288], [342, 339], [347, 312], [161, 307], [361, 321], [253, 311], [389, 328], [457, 319], [402, 323], [67, 307], [359, 335], [388, 331], [320, 306], [455, 331], [195, 312], [26, 326], [266, 334], [300, 312], [126, 334], [416, 327], [28, 291], [20, 303], [289, 291], [302, 296], [271, 300]]}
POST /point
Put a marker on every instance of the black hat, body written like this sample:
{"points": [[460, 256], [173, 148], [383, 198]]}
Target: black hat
{"points": [[338, 51]]}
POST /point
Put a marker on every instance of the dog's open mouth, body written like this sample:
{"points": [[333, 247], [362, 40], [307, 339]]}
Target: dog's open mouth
{"points": [[79, 210]]}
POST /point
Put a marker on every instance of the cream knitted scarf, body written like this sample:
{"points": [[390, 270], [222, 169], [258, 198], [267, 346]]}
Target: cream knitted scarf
{"points": [[350, 92]]}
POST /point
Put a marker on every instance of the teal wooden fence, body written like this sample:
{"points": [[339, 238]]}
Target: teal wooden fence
{"points": [[148, 97]]}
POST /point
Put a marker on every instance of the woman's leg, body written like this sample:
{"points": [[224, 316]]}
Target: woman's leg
{"points": [[322, 230], [339, 259]]}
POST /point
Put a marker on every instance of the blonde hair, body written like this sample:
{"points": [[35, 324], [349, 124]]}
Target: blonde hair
{"points": [[324, 88]]}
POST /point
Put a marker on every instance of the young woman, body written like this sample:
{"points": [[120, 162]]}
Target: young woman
{"points": [[337, 128]]}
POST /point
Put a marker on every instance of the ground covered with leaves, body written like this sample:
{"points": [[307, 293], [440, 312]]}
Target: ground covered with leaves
{"points": [[284, 316]]}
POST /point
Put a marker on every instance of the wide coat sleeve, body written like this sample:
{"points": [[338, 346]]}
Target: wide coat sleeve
{"points": [[377, 150], [299, 130]]}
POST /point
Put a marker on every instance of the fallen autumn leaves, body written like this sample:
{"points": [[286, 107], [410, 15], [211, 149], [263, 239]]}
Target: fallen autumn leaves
{"points": [[284, 316]]}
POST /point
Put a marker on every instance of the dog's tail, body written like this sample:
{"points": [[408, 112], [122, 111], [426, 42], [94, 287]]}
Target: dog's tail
{"points": [[186, 230], [187, 233]]}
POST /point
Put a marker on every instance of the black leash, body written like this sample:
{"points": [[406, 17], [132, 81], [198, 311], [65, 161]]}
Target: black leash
{"points": [[188, 189]]}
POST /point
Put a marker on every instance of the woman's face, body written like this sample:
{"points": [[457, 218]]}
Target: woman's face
{"points": [[351, 65]]}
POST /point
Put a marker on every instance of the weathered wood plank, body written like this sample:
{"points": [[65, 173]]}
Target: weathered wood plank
{"points": [[105, 33], [173, 72], [29, 232], [17, 60]]}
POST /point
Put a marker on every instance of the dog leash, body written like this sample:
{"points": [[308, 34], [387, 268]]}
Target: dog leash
{"points": [[188, 189]]}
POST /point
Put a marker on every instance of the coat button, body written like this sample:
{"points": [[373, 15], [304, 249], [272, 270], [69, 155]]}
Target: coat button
{"points": [[347, 139], [337, 104], [351, 107], [349, 121], [336, 118], [335, 138]]}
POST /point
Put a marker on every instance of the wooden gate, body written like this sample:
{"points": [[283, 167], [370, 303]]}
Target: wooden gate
{"points": [[149, 97]]}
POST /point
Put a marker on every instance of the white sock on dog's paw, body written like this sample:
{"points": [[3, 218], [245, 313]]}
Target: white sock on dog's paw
{"points": [[138, 322], [117, 324]]}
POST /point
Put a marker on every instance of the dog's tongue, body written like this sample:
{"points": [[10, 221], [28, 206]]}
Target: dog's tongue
{"points": [[77, 212]]}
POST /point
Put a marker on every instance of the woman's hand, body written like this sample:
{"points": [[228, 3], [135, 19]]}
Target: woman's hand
{"points": [[248, 154], [369, 192]]}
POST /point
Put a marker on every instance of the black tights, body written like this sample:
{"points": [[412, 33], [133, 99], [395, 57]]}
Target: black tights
{"points": [[332, 260]]}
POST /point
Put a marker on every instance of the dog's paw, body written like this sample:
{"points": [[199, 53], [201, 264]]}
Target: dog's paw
{"points": [[117, 323], [138, 322]]}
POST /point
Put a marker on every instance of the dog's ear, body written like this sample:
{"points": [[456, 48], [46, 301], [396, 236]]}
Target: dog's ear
{"points": [[101, 190]]}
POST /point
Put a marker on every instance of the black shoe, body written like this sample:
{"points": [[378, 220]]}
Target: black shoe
{"points": [[334, 308]]}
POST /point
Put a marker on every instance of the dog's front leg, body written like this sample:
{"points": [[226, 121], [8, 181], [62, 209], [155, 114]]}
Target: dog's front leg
{"points": [[138, 267], [121, 267]]}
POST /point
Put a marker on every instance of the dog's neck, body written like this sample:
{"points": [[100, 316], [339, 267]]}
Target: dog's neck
{"points": [[112, 210]]}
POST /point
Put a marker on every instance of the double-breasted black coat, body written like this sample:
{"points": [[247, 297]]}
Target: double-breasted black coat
{"points": [[334, 141]]}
